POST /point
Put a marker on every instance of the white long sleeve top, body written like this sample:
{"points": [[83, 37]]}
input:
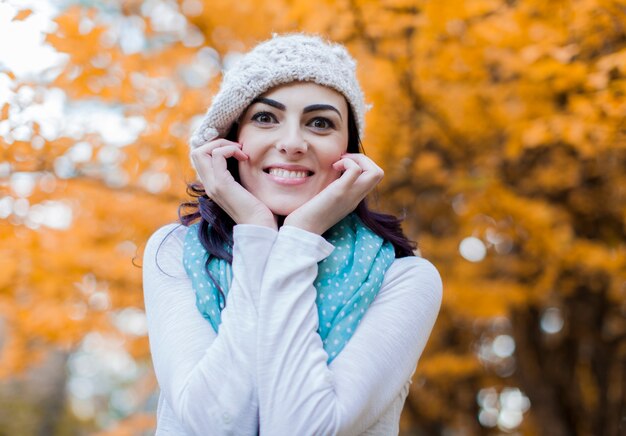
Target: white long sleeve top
{"points": [[266, 372]]}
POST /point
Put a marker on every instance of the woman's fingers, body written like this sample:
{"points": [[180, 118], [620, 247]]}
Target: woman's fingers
{"points": [[359, 173], [210, 161], [367, 165], [229, 151], [345, 164], [219, 156], [216, 143], [218, 149]]}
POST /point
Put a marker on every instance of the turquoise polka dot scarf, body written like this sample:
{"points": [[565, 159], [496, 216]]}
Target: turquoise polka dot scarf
{"points": [[347, 281]]}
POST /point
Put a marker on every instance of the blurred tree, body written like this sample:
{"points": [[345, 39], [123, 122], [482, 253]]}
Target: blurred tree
{"points": [[500, 125]]}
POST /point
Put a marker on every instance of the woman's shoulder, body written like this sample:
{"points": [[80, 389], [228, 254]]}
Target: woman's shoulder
{"points": [[169, 233], [166, 242], [413, 275], [414, 266]]}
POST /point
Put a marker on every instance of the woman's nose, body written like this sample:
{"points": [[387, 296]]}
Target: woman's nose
{"points": [[292, 141]]}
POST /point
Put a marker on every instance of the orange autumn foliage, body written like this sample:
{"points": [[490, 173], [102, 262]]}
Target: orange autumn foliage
{"points": [[497, 120]]}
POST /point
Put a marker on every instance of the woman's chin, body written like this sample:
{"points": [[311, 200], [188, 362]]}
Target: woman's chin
{"points": [[283, 209]]}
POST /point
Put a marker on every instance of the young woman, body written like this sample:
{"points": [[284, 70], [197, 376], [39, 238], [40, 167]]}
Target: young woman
{"points": [[282, 305]]}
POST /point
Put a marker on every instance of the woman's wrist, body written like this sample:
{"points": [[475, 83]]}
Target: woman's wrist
{"points": [[271, 224], [307, 225], [263, 217]]}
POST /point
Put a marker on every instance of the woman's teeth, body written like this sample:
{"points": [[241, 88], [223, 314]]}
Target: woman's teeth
{"points": [[278, 172]]}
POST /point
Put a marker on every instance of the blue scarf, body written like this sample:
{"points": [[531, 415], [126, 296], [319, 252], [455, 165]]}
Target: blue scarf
{"points": [[347, 281]]}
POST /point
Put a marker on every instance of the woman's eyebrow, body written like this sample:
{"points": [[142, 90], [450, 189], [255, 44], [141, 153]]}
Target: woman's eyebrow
{"points": [[310, 108], [269, 102], [321, 107]]}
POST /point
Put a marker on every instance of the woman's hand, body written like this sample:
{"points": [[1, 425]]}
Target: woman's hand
{"points": [[360, 176], [221, 187]]}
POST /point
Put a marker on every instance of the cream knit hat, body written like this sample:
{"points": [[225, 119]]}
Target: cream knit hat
{"points": [[279, 60]]}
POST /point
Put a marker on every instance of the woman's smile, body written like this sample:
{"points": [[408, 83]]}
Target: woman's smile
{"points": [[292, 134], [288, 174]]}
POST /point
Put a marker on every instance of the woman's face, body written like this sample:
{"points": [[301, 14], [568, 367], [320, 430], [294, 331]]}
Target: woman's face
{"points": [[292, 135]]}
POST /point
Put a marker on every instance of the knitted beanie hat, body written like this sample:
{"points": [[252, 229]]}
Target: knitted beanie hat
{"points": [[280, 60]]}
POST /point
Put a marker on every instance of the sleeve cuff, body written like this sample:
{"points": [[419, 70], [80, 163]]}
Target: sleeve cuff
{"points": [[253, 231], [302, 241]]}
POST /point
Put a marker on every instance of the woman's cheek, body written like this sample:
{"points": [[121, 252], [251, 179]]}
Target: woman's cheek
{"points": [[245, 177], [332, 175]]}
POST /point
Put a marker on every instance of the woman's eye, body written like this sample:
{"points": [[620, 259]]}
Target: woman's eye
{"points": [[322, 123], [263, 118]]}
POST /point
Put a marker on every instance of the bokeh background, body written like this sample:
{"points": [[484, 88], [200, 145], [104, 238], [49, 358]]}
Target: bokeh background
{"points": [[500, 125]]}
